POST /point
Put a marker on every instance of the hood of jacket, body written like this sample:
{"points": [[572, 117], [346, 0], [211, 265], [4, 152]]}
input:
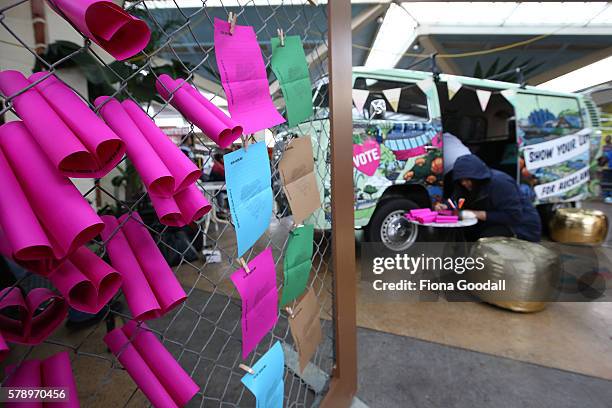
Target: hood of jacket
{"points": [[470, 167]]}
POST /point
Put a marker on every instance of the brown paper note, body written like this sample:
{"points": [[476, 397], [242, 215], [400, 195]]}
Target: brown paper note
{"points": [[306, 327], [298, 178]]}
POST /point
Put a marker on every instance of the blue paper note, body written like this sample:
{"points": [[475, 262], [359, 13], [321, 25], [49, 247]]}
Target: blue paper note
{"points": [[267, 383], [247, 177]]}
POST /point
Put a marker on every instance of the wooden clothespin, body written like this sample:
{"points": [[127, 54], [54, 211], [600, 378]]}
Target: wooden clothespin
{"points": [[247, 368], [245, 266], [245, 142], [290, 311], [281, 36], [231, 19], [313, 2]]}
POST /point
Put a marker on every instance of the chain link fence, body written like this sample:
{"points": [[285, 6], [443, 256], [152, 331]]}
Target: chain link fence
{"points": [[204, 332]]}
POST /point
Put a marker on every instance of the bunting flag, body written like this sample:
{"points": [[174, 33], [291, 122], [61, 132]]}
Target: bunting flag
{"points": [[360, 96], [425, 84], [453, 87], [483, 98], [509, 94], [393, 96]]}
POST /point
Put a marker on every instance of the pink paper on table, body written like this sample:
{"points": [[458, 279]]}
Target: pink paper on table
{"points": [[138, 294], [86, 281], [156, 176], [64, 149], [56, 371], [259, 299], [184, 171], [32, 326], [27, 374], [151, 366], [4, 348], [244, 78], [66, 217], [168, 371], [181, 209], [215, 124], [162, 280], [447, 219], [105, 148], [107, 24]]}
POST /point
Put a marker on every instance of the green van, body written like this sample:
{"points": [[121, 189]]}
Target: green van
{"points": [[546, 140]]}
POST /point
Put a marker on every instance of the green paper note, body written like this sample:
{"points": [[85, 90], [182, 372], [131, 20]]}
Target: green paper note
{"points": [[291, 69], [297, 263]]}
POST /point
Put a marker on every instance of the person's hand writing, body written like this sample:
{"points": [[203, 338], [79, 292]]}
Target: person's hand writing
{"points": [[480, 215], [440, 207]]}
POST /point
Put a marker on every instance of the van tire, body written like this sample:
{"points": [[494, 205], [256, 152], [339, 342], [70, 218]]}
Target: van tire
{"points": [[389, 226]]}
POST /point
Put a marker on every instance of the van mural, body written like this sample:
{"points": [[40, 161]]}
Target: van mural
{"points": [[402, 159]]}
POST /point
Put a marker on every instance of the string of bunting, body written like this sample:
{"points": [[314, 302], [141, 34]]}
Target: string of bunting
{"points": [[392, 95]]}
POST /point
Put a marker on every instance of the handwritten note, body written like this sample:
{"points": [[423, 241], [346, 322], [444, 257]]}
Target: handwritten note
{"points": [[247, 177], [297, 263], [296, 169], [305, 326], [267, 382], [244, 79], [259, 295], [291, 69]]}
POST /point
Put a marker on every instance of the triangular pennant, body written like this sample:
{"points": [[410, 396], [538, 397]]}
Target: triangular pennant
{"points": [[453, 87], [360, 96], [483, 98], [425, 84], [393, 96], [509, 94]]}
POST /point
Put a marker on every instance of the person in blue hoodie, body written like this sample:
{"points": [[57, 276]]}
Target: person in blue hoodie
{"points": [[496, 200]]}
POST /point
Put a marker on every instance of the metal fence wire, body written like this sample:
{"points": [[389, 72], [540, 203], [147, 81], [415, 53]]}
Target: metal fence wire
{"points": [[204, 332]]}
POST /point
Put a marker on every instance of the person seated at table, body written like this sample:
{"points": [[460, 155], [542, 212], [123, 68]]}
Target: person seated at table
{"points": [[494, 197]]}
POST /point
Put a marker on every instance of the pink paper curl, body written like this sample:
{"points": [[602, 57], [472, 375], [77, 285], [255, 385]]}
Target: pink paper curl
{"points": [[44, 217], [219, 127], [149, 285], [105, 149], [54, 371], [30, 326], [86, 281], [181, 209], [107, 24], [4, 348], [151, 366], [82, 145]]}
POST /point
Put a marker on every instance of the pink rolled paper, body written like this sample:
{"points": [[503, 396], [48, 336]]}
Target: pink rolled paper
{"points": [[56, 372], [120, 345], [65, 215], [420, 211], [86, 281], [24, 234], [163, 282], [107, 24], [184, 171], [167, 370], [447, 219], [32, 326], [219, 127], [59, 144], [4, 348], [183, 208], [105, 147], [26, 375], [156, 176], [138, 294]]}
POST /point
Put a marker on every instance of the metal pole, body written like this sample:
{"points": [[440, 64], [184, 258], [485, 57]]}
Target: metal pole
{"points": [[344, 379]]}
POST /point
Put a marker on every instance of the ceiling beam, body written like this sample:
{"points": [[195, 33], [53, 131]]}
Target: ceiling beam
{"points": [[570, 66]]}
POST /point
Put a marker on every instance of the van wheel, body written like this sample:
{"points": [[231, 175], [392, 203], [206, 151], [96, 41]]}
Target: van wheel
{"points": [[389, 226]]}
